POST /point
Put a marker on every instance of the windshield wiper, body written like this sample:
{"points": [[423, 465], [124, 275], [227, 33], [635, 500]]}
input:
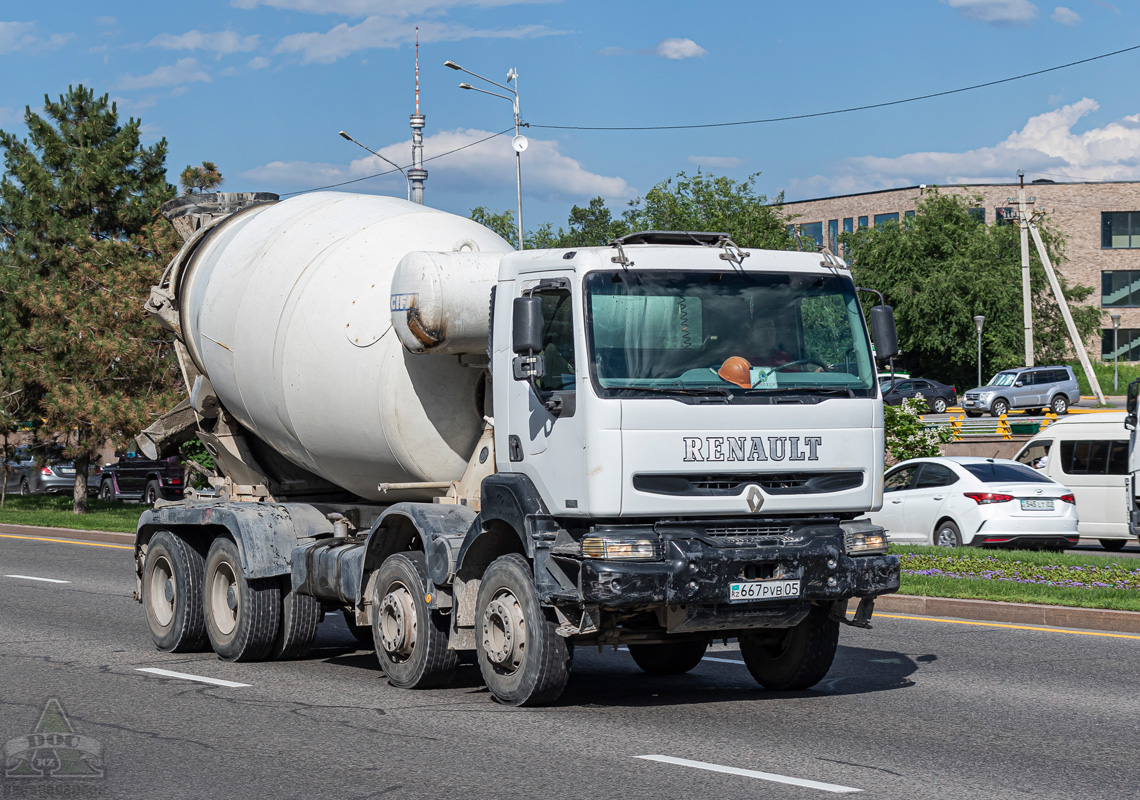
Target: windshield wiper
{"points": [[804, 390], [703, 391]]}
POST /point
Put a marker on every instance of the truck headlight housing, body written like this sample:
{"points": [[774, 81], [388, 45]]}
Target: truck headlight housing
{"points": [[861, 538], [622, 548]]}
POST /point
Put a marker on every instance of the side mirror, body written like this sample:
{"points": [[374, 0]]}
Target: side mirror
{"points": [[883, 332], [1130, 405], [527, 325], [1019, 383]]}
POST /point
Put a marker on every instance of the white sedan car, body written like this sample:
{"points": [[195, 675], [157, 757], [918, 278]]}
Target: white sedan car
{"points": [[954, 500]]}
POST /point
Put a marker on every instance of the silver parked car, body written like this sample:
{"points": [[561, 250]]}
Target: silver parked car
{"points": [[1031, 388], [35, 471]]}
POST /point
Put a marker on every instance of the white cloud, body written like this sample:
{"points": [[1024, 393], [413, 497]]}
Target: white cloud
{"points": [[1045, 144], [678, 49], [1066, 16], [185, 70], [547, 173], [222, 42], [258, 62], [716, 162], [996, 11], [389, 31], [20, 36]]}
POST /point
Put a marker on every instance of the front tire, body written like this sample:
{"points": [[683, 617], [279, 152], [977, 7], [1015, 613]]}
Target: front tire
{"points": [[523, 660], [106, 491], [947, 535], [973, 414], [411, 639], [794, 658], [243, 615], [173, 574], [669, 658], [1060, 405], [998, 408], [1113, 544]]}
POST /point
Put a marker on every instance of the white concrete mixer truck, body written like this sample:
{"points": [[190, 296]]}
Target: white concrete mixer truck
{"points": [[465, 448]]}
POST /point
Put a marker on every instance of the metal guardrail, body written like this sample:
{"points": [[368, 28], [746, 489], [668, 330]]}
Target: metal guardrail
{"points": [[964, 428]]}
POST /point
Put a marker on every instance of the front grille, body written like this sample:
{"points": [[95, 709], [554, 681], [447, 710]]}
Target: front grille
{"points": [[728, 484], [747, 530]]}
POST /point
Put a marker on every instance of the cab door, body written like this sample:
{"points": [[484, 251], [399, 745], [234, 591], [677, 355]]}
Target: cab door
{"points": [[546, 435]]}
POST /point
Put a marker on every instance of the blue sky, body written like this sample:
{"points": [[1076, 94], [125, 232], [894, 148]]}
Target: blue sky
{"points": [[261, 87]]}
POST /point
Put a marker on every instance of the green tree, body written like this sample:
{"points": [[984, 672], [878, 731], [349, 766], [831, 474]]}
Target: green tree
{"points": [[203, 178], [82, 243], [942, 267]]}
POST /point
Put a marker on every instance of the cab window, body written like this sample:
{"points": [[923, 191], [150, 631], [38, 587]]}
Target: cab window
{"points": [[557, 341]]}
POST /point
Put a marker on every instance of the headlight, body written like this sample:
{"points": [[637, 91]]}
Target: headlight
{"points": [[613, 548], [863, 539]]}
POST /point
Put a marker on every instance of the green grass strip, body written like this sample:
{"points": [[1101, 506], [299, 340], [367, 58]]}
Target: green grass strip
{"points": [[53, 511]]}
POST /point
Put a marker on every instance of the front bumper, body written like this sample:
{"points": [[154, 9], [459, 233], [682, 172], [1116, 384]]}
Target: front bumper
{"points": [[695, 571]]}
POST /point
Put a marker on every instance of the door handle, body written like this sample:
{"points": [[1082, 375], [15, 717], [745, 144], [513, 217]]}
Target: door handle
{"points": [[938, 496], [896, 502]]}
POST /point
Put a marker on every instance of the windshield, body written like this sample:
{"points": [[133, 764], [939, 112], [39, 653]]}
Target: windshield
{"points": [[748, 333], [1003, 379]]}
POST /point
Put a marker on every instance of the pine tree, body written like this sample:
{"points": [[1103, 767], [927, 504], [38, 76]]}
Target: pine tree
{"points": [[204, 178], [82, 244]]}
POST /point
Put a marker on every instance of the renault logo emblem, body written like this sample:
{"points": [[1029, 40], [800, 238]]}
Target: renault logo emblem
{"points": [[754, 498]]}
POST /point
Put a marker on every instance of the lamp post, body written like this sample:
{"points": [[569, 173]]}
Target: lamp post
{"points": [[519, 143], [979, 321], [345, 135], [1115, 352]]}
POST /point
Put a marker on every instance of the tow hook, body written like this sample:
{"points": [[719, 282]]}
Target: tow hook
{"points": [[862, 618]]}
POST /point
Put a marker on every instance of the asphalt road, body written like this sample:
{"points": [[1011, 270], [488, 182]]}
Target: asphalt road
{"points": [[914, 708]]}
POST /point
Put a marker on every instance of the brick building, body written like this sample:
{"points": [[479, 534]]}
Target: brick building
{"points": [[1100, 221]]}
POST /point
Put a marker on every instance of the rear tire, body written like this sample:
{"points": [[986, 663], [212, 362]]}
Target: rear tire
{"points": [[1113, 544], [243, 615], [1060, 405], [669, 658], [939, 405], [25, 487], [363, 633], [523, 659], [947, 535], [152, 494], [300, 616], [172, 594], [411, 638], [795, 658]]}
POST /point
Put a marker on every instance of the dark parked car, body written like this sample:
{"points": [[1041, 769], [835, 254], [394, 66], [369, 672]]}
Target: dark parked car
{"points": [[136, 477], [938, 396], [42, 469]]}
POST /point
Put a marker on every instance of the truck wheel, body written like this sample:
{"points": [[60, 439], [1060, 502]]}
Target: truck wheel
{"points": [[106, 491], [411, 639], [152, 493], [796, 658], [363, 633], [300, 616], [242, 615], [671, 658], [523, 660], [172, 594]]}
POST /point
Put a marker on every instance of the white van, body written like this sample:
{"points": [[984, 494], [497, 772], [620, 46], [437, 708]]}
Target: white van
{"points": [[1089, 454]]}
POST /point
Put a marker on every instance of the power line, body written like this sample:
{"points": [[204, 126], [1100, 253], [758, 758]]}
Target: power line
{"points": [[391, 171], [836, 111]]}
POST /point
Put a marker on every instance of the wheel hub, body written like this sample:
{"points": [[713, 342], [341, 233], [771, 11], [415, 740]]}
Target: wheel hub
{"points": [[504, 631], [168, 590], [231, 598], [224, 603], [162, 591], [398, 624]]}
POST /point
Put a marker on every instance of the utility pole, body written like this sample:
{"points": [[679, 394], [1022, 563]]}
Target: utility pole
{"points": [[1078, 345], [1026, 301]]}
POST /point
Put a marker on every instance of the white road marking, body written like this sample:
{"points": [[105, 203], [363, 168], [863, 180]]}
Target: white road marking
{"points": [[722, 660], [33, 578], [751, 773], [186, 677]]}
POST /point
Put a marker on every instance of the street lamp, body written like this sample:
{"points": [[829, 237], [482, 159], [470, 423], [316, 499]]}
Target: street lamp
{"points": [[519, 143], [1115, 353], [979, 321], [345, 135]]}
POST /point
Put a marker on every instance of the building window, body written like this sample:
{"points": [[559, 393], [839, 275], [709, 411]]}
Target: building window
{"points": [[848, 225], [1005, 216], [862, 222], [1128, 344], [833, 235], [814, 230], [977, 213], [1119, 229], [883, 219], [909, 215], [1119, 288]]}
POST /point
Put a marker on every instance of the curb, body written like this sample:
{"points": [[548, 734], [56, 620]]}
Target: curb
{"points": [[1094, 619], [81, 534]]}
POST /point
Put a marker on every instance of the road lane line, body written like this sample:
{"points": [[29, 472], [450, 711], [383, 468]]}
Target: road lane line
{"points": [[67, 541], [33, 578], [186, 677], [751, 773], [1014, 627], [722, 660]]}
